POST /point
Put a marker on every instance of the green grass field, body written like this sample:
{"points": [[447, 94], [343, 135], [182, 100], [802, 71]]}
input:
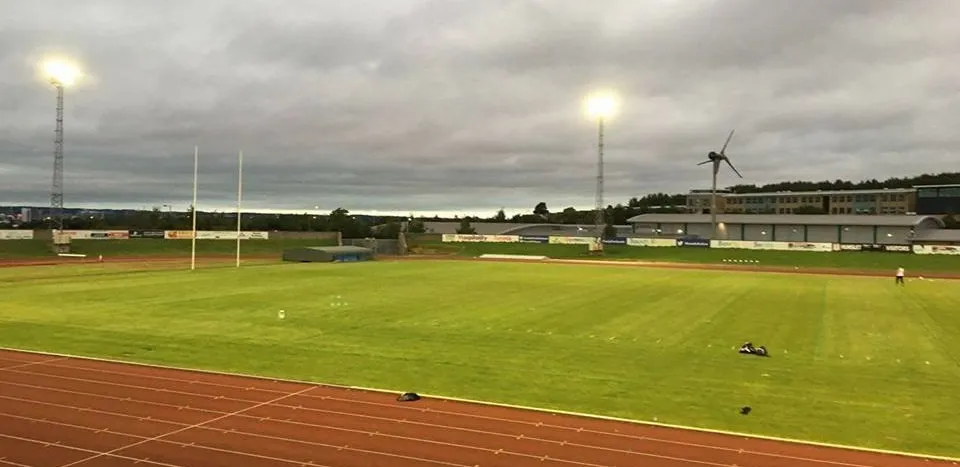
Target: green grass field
{"points": [[27, 249], [864, 261], [854, 360]]}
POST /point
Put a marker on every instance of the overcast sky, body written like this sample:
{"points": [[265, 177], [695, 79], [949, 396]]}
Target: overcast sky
{"points": [[469, 106]]}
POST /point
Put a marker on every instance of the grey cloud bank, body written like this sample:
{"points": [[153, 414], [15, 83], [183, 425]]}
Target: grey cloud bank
{"points": [[407, 105]]}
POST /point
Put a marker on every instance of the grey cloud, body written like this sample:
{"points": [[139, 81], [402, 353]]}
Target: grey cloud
{"points": [[420, 105]]}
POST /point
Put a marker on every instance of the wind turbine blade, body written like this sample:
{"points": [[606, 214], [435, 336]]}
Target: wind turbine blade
{"points": [[727, 142], [732, 167], [705, 162]]}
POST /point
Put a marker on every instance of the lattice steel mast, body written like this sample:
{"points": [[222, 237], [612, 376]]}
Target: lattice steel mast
{"points": [[599, 223], [56, 193]]}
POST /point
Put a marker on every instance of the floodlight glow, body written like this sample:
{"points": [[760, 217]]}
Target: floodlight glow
{"points": [[61, 73], [601, 106]]}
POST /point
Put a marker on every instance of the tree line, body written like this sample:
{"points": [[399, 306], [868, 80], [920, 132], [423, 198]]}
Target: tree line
{"points": [[359, 226]]}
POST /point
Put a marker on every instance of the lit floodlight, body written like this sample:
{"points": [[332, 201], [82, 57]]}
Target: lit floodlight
{"points": [[61, 72], [601, 106]]}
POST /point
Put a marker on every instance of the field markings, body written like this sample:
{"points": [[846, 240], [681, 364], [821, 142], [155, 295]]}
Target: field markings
{"points": [[196, 425], [144, 439], [518, 407], [26, 364], [89, 451], [370, 433]]}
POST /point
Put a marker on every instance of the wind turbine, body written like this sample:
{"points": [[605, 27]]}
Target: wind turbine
{"points": [[716, 159]]}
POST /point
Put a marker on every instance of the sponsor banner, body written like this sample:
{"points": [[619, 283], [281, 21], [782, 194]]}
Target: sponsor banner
{"points": [[809, 246], [97, 234], [16, 235], [147, 234], [230, 235], [736, 244], [936, 249], [503, 238], [178, 234], [873, 247], [897, 249], [780, 246], [572, 240], [693, 242], [660, 242], [534, 239], [615, 241], [466, 238]]}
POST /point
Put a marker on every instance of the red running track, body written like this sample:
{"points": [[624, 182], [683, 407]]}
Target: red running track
{"points": [[64, 411]]}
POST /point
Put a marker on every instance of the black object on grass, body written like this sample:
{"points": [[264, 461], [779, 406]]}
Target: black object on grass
{"points": [[745, 410]]}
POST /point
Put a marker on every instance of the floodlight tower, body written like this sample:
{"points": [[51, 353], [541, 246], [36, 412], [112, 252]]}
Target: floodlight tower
{"points": [[601, 107], [61, 75]]}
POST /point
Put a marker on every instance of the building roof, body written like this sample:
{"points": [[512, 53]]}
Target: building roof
{"points": [[500, 228], [341, 249], [878, 191], [786, 219], [955, 185]]}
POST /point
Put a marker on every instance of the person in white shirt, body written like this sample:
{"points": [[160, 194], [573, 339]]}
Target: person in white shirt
{"points": [[900, 275]]}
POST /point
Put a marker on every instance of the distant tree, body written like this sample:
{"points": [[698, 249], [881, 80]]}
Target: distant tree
{"points": [[609, 231], [541, 209], [570, 216], [952, 221], [416, 226], [465, 228], [390, 230], [500, 216]]}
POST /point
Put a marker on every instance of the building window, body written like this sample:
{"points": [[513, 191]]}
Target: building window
{"points": [[950, 192], [833, 210], [927, 193]]}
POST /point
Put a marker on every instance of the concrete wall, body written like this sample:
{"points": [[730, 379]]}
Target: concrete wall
{"points": [[789, 233], [278, 235], [645, 230], [673, 230], [701, 230], [822, 234], [893, 235], [379, 246], [856, 234], [754, 233]]}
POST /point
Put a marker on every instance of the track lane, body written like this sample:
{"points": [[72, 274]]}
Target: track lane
{"points": [[364, 419]]}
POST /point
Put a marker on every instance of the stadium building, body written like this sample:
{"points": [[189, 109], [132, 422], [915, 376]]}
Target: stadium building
{"points": [[848, 228], [938, 199], [892, 201], [507, 228]]}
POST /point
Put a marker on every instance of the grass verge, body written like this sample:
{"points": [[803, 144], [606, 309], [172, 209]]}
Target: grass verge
{"points": [[864, 261], [27, 249]]}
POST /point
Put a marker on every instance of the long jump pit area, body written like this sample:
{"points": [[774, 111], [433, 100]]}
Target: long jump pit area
{"points": [[62, 411]]}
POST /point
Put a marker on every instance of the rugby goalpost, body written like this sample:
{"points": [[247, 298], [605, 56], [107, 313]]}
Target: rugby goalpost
{"points": [[193, 235]]}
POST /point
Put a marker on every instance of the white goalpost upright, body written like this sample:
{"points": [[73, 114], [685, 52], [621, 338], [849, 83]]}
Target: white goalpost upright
{"points": [[239, 202], [193, 237]]}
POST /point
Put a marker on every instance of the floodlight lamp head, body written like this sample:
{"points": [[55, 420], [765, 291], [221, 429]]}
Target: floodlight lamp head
{"points": [[601, 106], [61, 73]]}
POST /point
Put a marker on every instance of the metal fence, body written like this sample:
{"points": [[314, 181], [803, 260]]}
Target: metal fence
{"points": [[379, 246]]}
